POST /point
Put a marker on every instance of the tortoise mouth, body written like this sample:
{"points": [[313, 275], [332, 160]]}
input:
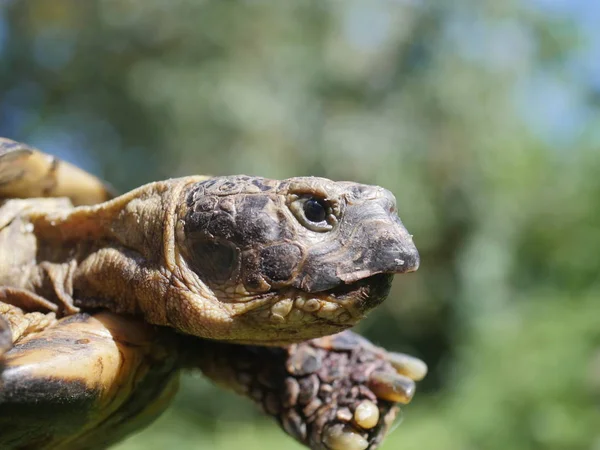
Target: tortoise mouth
{"points": [[361, 295], [341, 306], [292, 315]]}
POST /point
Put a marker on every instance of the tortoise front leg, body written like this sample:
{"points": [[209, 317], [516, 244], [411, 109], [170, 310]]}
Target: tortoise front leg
{"points": [[336, 392], [85, 383]]}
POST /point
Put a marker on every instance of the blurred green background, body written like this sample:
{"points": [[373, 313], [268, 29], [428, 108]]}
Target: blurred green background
{"points": [[482, 116]]}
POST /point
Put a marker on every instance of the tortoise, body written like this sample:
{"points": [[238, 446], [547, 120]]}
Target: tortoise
{"points": [[105, 300]]}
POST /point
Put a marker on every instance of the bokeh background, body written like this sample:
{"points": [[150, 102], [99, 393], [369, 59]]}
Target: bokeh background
{"points": [[482, 116]]}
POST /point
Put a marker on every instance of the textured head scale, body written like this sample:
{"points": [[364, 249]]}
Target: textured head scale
{"points": [[301, 250]]}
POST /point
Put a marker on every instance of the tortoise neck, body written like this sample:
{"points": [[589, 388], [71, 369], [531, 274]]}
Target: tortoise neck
{"points": [[108, 256], [125, 271]]}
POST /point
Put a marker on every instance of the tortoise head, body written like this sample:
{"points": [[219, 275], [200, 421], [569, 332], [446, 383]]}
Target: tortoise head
{"points": [[294, 259]]}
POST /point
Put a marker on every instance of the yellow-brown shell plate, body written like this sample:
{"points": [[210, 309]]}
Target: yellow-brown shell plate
{"points": [[84, 383], [26, 173]]}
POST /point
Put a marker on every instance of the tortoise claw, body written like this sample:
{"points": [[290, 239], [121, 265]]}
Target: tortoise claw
{"points": [[343, 437], [392, 387], [366, 415], [407, 365]]}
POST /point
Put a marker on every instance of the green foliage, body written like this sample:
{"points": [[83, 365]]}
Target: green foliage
{"points": [[438, 101]]}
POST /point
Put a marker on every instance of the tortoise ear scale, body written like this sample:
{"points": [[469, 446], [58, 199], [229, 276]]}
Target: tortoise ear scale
{"points": [[215, 262]]}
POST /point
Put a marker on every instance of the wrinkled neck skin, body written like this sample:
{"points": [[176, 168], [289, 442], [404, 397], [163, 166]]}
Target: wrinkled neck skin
{"points": [[120, 255]]}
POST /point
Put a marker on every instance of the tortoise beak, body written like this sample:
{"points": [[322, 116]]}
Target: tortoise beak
{"points": [[371, 240], [393, 252]]}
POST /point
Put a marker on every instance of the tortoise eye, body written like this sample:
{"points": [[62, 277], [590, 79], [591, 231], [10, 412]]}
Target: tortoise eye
{"points": [[314, 213], [315, 210]]}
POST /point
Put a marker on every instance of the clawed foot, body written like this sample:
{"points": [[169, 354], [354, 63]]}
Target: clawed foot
{"points": [[342, 391]]}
